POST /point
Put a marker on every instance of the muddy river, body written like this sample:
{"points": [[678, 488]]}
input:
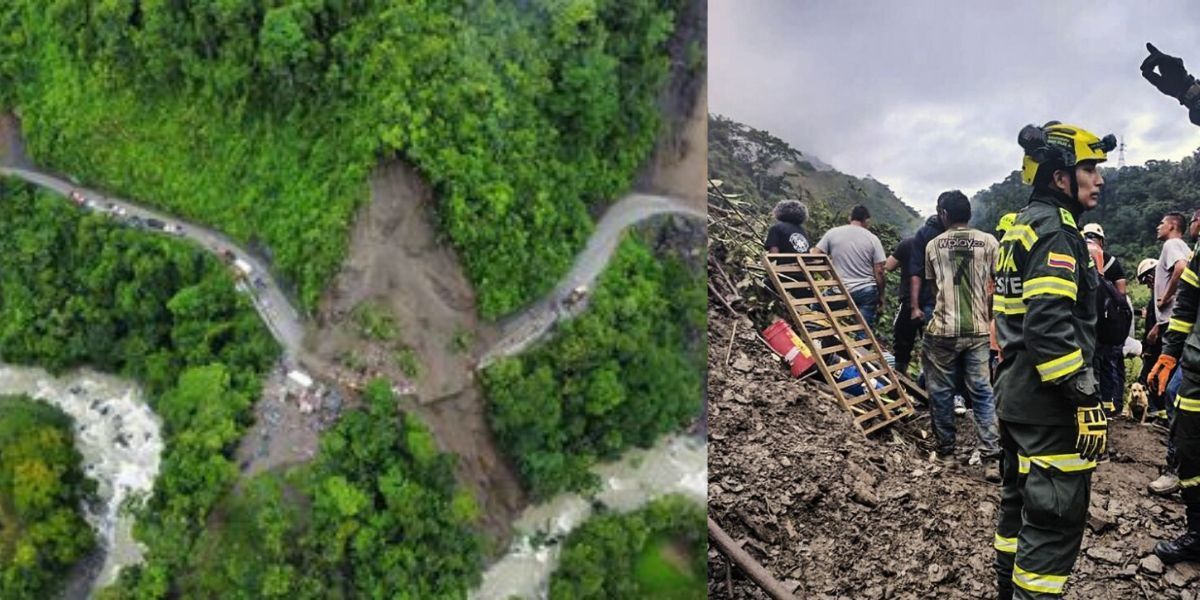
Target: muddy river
{"points": [[119, 438], [676, 465]]}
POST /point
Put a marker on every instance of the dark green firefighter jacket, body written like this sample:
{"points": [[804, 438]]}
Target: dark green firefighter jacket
{"points": [[1045, 310], [1181, 337]]}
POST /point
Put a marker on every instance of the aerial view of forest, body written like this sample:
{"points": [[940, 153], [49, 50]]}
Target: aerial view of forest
{"points": [[320, 299]]}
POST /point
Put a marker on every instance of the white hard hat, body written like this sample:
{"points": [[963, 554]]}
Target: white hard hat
{"points": [[1146, 266], [1095, 229]]}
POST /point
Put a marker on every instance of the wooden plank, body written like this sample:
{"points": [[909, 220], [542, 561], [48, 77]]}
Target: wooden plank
{"points": [[818, 275], [792, 285], [845, 383], [912, 387], [822, 333], [842, 365], [853, 400]]}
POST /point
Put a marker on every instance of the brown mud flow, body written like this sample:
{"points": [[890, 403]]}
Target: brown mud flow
{"points": [[833, 514], [397, 262]]}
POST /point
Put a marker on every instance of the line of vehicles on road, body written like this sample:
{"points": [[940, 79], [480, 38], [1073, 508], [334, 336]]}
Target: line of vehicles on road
{"points": [[123, 215], [241, 269]]}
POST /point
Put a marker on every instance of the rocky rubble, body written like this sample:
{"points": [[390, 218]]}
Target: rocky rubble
{"points": [[833, 514]]}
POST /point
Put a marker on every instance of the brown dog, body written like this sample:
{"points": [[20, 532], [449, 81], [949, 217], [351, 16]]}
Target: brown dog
{"points": [[1137, 402]]}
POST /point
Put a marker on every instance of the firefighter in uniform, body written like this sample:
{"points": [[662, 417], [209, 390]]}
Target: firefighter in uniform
{"points": [[1183, 339], [1052, 427]]}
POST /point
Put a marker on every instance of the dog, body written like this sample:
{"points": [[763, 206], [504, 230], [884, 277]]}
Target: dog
{"points": [[1138, 401]]}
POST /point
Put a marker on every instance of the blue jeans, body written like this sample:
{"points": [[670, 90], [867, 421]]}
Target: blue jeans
{"points": [[1169, 398], [1172, 390], [942, 356], [867, 300]]}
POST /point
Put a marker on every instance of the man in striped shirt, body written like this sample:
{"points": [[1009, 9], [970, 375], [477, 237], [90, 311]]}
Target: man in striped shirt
{"points": [[958, 268]]}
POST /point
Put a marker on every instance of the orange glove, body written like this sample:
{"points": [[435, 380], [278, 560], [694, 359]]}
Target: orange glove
{"points": [[1161, 372]]}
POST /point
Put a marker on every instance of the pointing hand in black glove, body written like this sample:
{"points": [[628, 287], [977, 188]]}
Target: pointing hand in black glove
{"points": [[1171, 79]]}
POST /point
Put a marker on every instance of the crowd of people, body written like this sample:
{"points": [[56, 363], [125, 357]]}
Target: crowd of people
{"points": [[1030, 324]]}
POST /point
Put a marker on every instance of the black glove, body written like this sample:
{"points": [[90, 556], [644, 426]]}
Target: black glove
{"points": [[1082, 389], [1172, 79]]}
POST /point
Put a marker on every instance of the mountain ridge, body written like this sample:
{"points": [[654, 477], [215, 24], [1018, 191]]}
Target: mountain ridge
{"points": [[764, 169]]}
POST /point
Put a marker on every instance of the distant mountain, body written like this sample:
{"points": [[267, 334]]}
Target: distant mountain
{"points": [[1132, 202], [765, 169]]}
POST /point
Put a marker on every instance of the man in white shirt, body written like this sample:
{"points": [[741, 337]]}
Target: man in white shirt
{"points": [[857, 255]]}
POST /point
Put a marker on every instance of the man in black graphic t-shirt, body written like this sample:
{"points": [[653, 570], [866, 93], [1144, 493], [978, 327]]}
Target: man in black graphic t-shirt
{"points": [[787, 234]]}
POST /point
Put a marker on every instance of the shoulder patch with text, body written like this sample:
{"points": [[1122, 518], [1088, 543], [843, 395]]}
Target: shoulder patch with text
{"points": [[1062, 261]]}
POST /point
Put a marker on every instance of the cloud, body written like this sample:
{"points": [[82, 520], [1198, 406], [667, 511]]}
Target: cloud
{"points": [[927, 96]]}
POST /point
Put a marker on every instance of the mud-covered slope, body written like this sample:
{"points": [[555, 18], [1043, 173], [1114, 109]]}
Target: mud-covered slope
{"points": [[837, 515]]}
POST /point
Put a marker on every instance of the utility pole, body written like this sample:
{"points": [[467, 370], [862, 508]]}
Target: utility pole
{"points": [[1121, 153]]}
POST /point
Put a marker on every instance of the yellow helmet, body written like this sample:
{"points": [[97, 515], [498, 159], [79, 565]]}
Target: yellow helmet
{"points": [[1059, 145], [1006, 222]]}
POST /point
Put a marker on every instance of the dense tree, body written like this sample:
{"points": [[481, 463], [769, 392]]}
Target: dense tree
{"points": [[658, 551], [377, 514], [620, 375], [76, 289], [264, 118], [42, 490]]}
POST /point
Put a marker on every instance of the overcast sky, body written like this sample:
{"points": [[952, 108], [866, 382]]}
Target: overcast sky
{"points": [[928, 95]]}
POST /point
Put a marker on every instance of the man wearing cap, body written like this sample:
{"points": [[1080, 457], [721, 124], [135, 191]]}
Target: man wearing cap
{"points": [[1109, 361]]}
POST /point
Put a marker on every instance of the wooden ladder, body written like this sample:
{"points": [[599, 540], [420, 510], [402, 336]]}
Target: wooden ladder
{"points": [[838, 338]]}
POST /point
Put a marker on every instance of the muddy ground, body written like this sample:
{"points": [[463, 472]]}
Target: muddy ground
{"points": [[835, 515], [397, 263]]}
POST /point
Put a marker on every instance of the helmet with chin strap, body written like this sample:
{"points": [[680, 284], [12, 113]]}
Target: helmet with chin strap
{"points": [[1059, 146], [1056, 146]]}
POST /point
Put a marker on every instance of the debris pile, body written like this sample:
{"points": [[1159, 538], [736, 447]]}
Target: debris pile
{"points": [[833, 514]]}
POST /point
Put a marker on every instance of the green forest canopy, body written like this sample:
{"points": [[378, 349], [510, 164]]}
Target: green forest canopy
{"points": [[621, 374], [77, 289], [377, 514], [265, 118], [42, 490], [659, 551]]}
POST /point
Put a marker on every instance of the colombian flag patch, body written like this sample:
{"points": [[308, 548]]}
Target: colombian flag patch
{"points": [[1062, 261]]}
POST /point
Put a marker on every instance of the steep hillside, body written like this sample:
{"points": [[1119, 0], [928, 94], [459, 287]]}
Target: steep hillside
{"points": [[767, 169], [1132, 202]]}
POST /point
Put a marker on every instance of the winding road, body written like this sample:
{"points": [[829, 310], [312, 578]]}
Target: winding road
{"points": [[531, 324], [277, 311], [669, 467], [288, 325]]}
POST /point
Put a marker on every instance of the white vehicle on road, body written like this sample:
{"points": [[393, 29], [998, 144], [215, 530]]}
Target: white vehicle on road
{"points": [[243, 267]]}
